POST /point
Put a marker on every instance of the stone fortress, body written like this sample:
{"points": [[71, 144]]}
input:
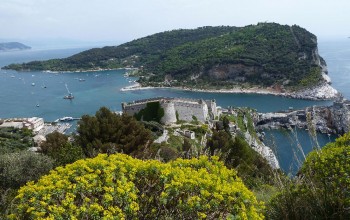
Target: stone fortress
{"points": [[177, 108]]}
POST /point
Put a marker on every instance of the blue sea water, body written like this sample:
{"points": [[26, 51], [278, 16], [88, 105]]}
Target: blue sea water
{"points": [[18, 97]]}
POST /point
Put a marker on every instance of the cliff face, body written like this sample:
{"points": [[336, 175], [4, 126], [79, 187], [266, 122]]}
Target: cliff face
{"points": [[341, 116], [269, 72]]}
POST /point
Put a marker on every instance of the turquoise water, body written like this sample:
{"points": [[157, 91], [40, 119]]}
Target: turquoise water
{"points": [[18, 98], [291, 147]]}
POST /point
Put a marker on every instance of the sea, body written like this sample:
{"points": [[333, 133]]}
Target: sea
{"points": [[36, 93]]}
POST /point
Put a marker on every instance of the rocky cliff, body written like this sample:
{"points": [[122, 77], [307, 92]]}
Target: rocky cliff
{"points": [[326, 119]]}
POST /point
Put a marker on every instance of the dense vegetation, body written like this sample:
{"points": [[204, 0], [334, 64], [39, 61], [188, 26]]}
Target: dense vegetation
{"points": [[14, 140], [266, 54], [118, 186], [58, 147], [152, 112], [236, 153], [135, 53], [18, 168], [107, 132], [322, 188]]}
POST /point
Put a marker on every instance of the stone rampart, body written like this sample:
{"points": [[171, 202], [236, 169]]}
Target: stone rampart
{"points": [[186, 109]]}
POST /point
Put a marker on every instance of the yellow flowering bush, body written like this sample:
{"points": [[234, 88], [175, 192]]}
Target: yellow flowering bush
{"points": [[121, 187]]}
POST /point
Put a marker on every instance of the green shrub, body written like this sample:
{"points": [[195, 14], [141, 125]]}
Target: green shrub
{"points": [[60, 149], [18, 168]]}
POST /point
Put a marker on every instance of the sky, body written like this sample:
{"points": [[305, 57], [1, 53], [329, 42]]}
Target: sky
{"points": [[118, 21]]}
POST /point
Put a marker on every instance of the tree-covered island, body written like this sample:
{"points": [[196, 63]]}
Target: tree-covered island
{"points": [[266, 55]]}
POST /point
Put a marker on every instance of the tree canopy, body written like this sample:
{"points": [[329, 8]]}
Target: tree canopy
{"points": [[107, 132]]}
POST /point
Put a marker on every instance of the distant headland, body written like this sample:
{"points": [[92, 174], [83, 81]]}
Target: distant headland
{"points": [[13, 46]]}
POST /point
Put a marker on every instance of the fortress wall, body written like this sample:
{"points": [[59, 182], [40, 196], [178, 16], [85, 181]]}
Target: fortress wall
{"points": [[187, 110], [169, 113], [135, 108]]}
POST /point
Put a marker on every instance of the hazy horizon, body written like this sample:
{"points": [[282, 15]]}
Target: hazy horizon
{"points": [[43, 23]]}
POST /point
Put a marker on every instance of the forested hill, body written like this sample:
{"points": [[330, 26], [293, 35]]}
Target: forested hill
{"points": [[9, 46], [135, 53], [265, 54]]}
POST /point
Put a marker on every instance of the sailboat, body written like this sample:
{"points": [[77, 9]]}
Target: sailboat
{"points": [[70, 95]]}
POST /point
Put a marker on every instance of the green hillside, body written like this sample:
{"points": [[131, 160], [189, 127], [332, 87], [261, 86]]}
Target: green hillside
{"points": [[265, 54]]}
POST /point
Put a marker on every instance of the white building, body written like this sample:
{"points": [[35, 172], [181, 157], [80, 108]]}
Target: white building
{"points": [[33, 123]]}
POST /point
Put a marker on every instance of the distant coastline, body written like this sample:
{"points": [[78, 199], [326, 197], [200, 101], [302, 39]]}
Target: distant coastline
{"points": [[321, 92], [13, 46]]}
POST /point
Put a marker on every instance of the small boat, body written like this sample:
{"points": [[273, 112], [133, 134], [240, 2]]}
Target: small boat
{"points": [[81, 80], [37, 105], [12, 76], [33, 84], [70, 95], [66, 119]]}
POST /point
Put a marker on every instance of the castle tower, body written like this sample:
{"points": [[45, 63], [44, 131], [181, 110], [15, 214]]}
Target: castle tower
{"points": [[169, 112]]}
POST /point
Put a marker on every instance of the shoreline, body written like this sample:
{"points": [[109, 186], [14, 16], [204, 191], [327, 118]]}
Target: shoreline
{"points": [[320, 93], [89, 70]]}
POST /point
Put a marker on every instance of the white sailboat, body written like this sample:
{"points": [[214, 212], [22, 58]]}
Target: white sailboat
{"points": [[70, 95]]}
